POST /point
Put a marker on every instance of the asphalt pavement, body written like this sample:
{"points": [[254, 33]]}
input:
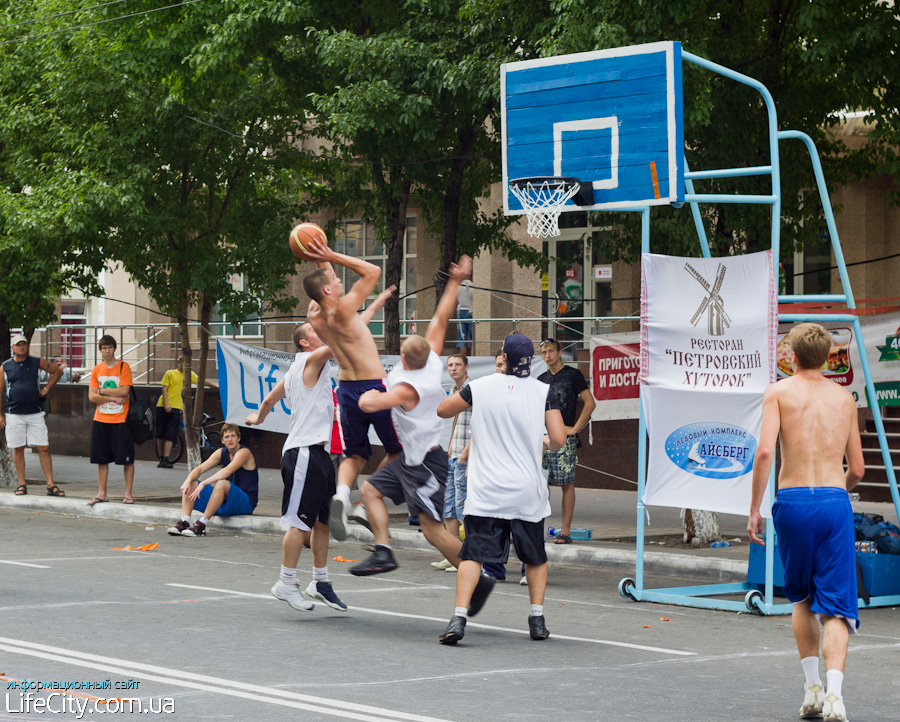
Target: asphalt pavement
{"points": [[611, 516]]}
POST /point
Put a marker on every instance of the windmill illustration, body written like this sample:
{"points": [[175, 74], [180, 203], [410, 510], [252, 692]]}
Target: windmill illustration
{"points": [[718, 319]]}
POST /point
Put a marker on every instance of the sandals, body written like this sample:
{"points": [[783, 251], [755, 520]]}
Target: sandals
{"points": [[128, 500], [563, 539], [21, 490], [97, 500], [55, 491]]}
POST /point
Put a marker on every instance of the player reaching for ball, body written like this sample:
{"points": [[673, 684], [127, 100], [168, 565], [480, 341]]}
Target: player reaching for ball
{"points": [[333, 315]]}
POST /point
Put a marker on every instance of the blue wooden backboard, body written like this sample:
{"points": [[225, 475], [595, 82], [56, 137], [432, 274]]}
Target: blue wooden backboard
{"points": [[612, 118]]}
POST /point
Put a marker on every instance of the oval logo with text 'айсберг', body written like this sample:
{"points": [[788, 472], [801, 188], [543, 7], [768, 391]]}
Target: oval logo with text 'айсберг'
{"points": [[714, 450]]}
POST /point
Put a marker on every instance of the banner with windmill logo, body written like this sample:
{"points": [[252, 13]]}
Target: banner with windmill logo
{"points": [[708, 335]]}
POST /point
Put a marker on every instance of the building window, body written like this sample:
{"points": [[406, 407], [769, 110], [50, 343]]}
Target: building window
{"points": [[219, 325], [357, 238]]}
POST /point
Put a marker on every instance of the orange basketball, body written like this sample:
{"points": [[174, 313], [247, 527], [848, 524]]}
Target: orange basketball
{"points": [[303, 234]]}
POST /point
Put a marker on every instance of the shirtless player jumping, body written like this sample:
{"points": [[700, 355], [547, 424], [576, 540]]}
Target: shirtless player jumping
{"points": [[335, 320]]}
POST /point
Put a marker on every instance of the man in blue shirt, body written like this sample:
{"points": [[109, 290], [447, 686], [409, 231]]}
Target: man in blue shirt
{"points": [[24, 420]]}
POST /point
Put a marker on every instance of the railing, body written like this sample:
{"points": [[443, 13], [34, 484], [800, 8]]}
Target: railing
{"points": [[152, 349]]}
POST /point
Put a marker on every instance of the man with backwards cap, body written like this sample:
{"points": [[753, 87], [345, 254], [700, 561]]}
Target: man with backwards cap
{"points": [[506, 489]]}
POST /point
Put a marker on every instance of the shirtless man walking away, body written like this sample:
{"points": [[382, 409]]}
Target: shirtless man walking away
{"points": [[334, 318], [817, 422]]}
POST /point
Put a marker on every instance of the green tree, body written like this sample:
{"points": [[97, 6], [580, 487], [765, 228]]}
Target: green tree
{"points": [[203, 174]]}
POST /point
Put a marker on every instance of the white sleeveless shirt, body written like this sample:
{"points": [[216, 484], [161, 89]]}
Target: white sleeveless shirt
{"points": [[312, 409], [505, 479], [420, 429]]}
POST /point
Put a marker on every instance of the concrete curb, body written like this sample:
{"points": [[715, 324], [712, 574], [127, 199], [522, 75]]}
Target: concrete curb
{"points": [[621, 556]]}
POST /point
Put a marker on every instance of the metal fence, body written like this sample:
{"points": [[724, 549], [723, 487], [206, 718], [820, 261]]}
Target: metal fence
{"points": [[152, 349]]}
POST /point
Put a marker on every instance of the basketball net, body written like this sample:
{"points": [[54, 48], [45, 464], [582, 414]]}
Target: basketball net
{"points": [[542, 202]]}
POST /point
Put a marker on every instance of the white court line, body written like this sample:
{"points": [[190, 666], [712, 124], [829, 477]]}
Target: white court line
{"points": [[232, 688], [25, 564], [470, 624]]}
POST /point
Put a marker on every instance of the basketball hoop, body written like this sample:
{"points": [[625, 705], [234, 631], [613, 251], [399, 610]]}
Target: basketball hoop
{"points": [[542, 198]]}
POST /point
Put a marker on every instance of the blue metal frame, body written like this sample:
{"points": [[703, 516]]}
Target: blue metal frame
{"points": [[754, 600]]}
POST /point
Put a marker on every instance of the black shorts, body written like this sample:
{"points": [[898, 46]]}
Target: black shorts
{"points": [[487, 540], [421, 487], [309, 484], [167, 423], [111, 443]]}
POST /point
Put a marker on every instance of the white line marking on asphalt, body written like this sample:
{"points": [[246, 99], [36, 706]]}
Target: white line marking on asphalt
{"points": [[386, 613], [123, 555], [25, 564], [232, 688]]}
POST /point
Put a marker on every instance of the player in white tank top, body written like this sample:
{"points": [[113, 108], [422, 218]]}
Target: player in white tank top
{"points": [[307, 471]]}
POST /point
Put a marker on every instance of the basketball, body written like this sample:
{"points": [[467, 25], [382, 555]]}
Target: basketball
{"points": [[303, 234]]}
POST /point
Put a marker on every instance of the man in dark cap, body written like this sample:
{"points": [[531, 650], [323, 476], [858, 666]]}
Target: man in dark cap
{"points": [[506, 493]]}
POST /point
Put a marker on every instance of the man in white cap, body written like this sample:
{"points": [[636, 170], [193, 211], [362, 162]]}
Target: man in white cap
{"points": [[24, 420]]}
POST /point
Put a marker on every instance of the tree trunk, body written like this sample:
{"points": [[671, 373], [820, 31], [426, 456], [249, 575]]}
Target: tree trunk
{"points": [[394, 240], [700, 527], [450, 212], [8, 475], [190, 429]]}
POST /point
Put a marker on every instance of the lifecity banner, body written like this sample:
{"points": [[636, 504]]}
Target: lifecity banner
{"points": [[708, 324], [708, 332], [248, 373]]}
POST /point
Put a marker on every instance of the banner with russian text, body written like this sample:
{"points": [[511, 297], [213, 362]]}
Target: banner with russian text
{"points": [[708, 324], [615, 376], [701, 449], [708, 332]]}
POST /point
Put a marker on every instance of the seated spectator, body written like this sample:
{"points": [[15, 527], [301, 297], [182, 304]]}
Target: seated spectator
{"points": [[232, 490], [69, 375]]}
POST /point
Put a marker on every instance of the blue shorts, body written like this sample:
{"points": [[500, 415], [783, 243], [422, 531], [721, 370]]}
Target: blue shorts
{"points": [[237, 502], [354, 423], [816, 543]]}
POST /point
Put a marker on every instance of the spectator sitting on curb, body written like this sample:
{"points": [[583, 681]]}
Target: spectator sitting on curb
{"points": [[231, 491]]}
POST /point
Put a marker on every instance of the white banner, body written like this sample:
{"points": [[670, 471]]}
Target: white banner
{"points": [[247, 373], [615, 376], [701, 452], [708, 324], [708, 330]]}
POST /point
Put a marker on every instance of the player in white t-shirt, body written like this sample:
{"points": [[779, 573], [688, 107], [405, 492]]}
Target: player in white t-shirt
{"points": [[306, 469], [506, 491], [419, 476]]}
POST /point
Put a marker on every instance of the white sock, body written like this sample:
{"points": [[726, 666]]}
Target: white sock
{"points": [[537, 610], [344, 491], [811, 670], [288, 575], [383, 546], [203, 520], [461, 612], [186, 517], [834, 678], [320, 574]]}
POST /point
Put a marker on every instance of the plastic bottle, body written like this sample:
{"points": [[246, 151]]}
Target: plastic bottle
{"points": [[720, 544], [579, 534]]}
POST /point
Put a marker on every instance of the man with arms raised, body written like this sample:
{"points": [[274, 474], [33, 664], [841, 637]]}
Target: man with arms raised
{"points": [[419, 475], [334, 318], [818, 426]]}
